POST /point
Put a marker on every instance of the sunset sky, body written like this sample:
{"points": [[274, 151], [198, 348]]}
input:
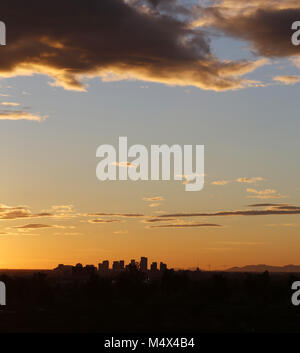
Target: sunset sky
{"points": [[77, 75]]}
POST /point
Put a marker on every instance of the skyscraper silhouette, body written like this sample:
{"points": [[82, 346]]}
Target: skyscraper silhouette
{"points": [[144, 264]]}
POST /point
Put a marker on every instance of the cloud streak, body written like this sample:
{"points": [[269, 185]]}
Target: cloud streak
{"points": [[185, 225], [103, 221], [288, 79], [34, 226], [125, 215], [221, 182], [152, 199], [274, 209], [10, 104], [264, 194], [19, 212], [249, 180], [20, 115]]}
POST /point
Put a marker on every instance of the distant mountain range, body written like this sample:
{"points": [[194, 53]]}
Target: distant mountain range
{"points": [[262, 268]]}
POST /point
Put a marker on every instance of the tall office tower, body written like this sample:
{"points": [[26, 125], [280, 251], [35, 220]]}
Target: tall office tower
{"points": [[154, 266], [162, 267], [105, 265], [115, 266], [121, 263], [144, 264]]}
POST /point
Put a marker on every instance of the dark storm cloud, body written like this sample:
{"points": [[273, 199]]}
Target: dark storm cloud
{"points": [[74, 39], [266, 25], [166, 6]]}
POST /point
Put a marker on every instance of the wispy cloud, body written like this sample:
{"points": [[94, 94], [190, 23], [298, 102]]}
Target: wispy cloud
{"points": [[152, 199], [185, 225], [264, 194], [125, 215], [288, 79], [10, 104], [276, 205], [103, 221], [34, 226], [152, 205], [245, 180], [273, 209], [62, 208], [252, 180], [20, 115], [221, 182], [121, 231], [40, 226], [155, 220], [124, 164], [19, 212]]}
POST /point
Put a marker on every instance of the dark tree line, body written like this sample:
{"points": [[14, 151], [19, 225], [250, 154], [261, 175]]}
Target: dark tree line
{"points": [[178, 301]]}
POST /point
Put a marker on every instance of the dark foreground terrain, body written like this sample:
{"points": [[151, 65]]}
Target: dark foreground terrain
{"points": [[131, 302]]}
